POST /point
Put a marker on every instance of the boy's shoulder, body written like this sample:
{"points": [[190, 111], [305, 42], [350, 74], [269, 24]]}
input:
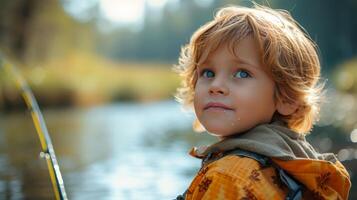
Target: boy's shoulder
{"points": [[235, 177], [237, 167]]}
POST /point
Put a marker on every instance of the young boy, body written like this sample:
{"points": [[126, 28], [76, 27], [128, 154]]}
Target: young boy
{"points": [[251, 75]]}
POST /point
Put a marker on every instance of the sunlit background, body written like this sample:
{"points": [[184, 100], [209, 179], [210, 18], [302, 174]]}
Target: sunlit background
{"points": [[101, 72]]}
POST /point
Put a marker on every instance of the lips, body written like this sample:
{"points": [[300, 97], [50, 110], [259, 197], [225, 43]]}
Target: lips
{"points": [[217, 105]]}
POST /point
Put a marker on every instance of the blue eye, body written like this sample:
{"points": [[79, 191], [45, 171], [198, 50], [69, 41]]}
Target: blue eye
{"points": [[242, 74], [207, 73]]}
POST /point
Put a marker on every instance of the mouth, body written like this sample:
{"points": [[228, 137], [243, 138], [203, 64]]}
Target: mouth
{"points": [[217, 106]]}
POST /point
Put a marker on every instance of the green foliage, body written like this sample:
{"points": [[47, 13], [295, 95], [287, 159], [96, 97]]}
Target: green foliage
{"points": [[345, 77]]}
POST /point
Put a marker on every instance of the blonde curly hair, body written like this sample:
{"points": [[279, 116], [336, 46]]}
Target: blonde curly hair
{"points": [[289, 56]]}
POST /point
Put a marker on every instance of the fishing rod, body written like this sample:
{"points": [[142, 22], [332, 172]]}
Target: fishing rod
{"points": [[47, 148]]}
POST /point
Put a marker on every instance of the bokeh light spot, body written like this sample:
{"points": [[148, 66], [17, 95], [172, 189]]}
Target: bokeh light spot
{"points": [[353, 135]]}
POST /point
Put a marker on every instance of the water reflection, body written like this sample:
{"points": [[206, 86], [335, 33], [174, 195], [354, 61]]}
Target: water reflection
{"points": [[21, 175], [125, 151]]}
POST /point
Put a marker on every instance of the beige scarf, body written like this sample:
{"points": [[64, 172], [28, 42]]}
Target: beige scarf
{"points": [[271, 140]]}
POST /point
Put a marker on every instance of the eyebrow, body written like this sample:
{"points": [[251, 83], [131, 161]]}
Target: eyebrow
{"points": [[245, 62], [236, 60]]}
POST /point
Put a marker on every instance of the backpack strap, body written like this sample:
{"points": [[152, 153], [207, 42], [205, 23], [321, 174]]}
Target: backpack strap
{"points": [[294, 187], [181, 196]]}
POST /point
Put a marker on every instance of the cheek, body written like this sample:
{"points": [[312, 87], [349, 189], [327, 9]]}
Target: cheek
{"points": [[256, 97], [197, 99], [199, 90], [248, 95], [266, 100]]}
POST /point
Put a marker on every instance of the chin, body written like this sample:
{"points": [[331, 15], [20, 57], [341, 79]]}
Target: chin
{"points": [[219, 132]]}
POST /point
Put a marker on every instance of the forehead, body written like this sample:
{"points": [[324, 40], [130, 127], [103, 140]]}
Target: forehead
{"points": [[246, 51]]}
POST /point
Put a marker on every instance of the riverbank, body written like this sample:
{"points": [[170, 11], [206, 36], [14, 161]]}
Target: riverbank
{"points": [[83, 80]]}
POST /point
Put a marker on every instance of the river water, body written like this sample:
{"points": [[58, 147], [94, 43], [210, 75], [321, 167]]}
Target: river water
{"points": [[118, 151]]}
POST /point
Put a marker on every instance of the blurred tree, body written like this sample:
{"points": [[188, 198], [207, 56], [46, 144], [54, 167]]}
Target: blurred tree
{"points": [[40, 30], [15, 18], [159, 39], [332, 24]]}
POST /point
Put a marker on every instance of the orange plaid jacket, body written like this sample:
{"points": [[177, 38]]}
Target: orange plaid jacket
{"points": [[235, 177]]}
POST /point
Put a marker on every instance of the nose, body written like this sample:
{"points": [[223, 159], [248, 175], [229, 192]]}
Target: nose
{"points": [[218, 87]]}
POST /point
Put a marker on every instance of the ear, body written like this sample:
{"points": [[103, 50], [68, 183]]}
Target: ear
{"points": [[285, 108]]}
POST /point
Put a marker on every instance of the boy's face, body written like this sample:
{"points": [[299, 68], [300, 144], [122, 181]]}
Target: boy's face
{"points": [[233, 94]]}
